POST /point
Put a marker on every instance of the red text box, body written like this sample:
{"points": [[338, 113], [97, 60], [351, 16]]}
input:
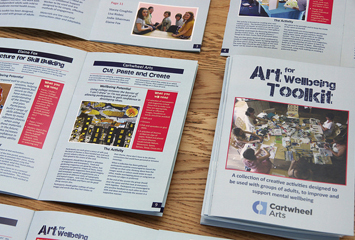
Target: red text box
{"points": [[320, 11], [41, 114], [155, 120]]}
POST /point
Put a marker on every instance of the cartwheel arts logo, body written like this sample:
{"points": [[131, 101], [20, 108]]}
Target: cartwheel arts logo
{"points": [[260, 207]]}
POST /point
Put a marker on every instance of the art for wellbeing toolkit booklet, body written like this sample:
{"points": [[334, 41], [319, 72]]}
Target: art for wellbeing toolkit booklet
{"points": [[24, 224], [288, 179], [119, 22], [99, 129]]}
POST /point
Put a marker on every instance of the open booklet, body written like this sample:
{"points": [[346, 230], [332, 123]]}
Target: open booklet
{"points": [[306, 30], [280, 162], [174, 24], [109, 125], [21, 224]]}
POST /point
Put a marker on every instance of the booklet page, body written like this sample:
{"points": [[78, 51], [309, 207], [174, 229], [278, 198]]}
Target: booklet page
{"points": [[163, 27], [14, 222], [36, 84], [73, 17], [120, 139], [348, 48], [48, 225], [277, 169], [311, 31]]}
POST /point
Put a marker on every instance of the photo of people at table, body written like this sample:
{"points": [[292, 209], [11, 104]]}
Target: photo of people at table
{"points": [[164, 21], [288, 9], [288, 140]]}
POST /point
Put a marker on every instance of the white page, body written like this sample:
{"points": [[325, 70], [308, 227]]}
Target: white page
{"points": [[317, 39], [14, 222], [108, 21], [69, 17], [35, 98], [348, 49], [60, 225], [227, 185], [136, 175], [163, 235], [115, 22]]}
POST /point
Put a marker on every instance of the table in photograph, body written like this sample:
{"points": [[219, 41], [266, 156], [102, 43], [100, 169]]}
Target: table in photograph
{"points": [[297, 137]]}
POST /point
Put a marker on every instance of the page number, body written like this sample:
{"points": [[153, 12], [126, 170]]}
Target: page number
{"points": [[117, 3]]}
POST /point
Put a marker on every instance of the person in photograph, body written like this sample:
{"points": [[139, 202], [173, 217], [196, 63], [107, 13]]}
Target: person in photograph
{"points": [[252, 121], [256, 162], [148, 18], [166, 22], [328, 126], [302, 5], [338, 149], [140, 27], [178, 20], [240, 138], [185, 31], [336, 172], [300, 169], [178, 24]]}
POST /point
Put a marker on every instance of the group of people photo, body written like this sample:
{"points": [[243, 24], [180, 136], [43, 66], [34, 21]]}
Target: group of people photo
{"points": [[181, 27], [289, 140]]}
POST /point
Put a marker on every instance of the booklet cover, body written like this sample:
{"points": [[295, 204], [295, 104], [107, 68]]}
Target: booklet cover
{"points": [[108, 124], [303, 30], [280, 163], [20, 224], [176, 25]]}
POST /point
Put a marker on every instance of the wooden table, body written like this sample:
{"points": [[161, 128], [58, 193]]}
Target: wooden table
{"points": [[183, 208]]}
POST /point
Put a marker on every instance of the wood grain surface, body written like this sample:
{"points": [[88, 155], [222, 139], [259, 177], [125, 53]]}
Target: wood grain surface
{"points": [[184, 203]]}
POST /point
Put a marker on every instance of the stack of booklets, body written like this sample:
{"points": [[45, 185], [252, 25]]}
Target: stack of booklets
{"points": [[99, 129], [253, 186], [115, 21], [21, 224], [280, 163]]}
